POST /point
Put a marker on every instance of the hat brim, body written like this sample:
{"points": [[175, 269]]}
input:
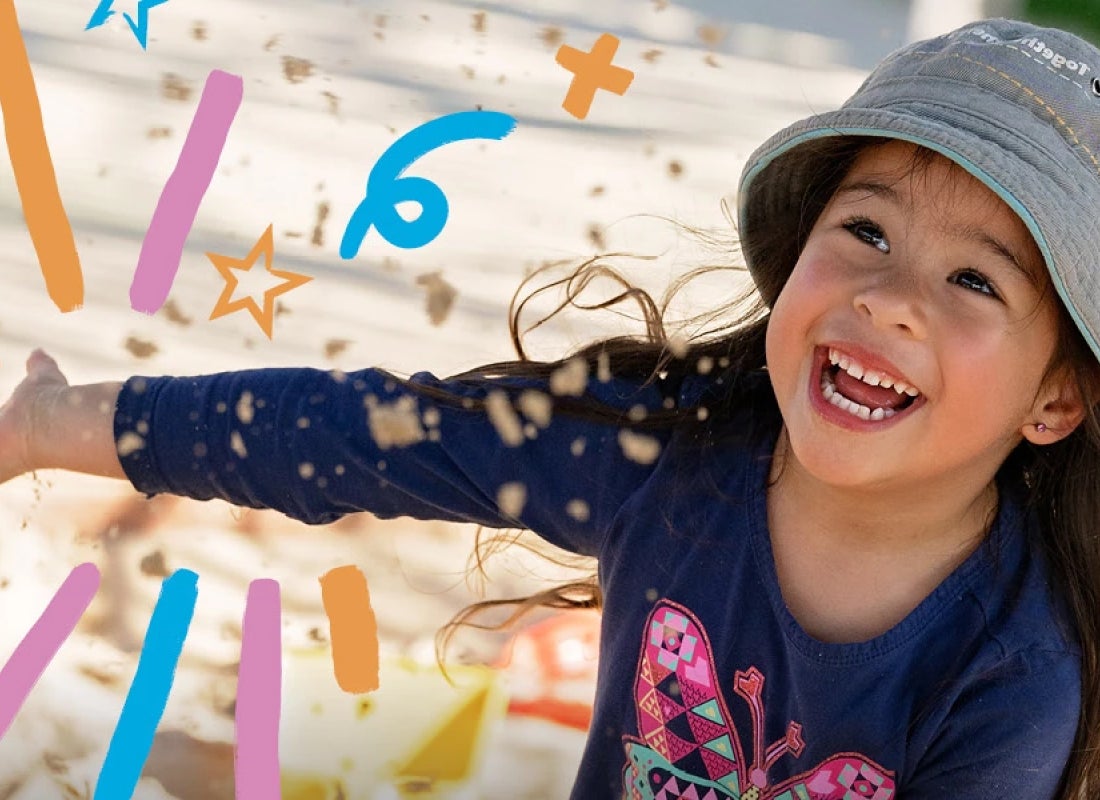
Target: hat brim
{"points": [[1062, 209]]}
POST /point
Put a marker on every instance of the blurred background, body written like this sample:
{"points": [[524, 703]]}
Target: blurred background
{"points": [[329, 85], [1079, 16]]}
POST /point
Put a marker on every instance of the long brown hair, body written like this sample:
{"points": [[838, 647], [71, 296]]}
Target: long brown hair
{"points": [[1061, 481]]}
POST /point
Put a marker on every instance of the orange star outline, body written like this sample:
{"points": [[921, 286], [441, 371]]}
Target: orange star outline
{"points": [[225, 265]]}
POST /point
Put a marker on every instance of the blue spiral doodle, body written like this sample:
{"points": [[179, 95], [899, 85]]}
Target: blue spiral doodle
{"points": [[386, 188]]}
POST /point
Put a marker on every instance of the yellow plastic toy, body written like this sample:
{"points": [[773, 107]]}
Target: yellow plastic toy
{"points": [[416, 736]]}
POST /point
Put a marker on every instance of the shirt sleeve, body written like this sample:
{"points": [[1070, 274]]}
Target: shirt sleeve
{"points": [[1008, 736], [316, 445]]}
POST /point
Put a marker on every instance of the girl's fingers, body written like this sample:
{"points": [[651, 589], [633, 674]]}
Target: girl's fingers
{"points": [[40, 357], [36, 357], [41, 362]]}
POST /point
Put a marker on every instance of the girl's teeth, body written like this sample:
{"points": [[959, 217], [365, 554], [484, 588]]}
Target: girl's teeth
{"points": [[870, 377], [829, 390]]}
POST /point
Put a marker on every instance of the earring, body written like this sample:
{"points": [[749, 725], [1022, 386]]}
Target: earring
{"points": [[1041, 428]]}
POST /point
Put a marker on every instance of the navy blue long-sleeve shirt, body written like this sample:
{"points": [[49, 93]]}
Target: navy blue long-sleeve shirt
{"points": [[708, 687]]}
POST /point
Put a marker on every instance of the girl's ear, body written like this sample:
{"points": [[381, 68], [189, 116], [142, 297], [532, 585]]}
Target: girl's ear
{"points": [[1058, 409]]}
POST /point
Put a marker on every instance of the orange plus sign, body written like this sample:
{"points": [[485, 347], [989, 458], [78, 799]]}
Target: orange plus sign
{"points": [[592, 71]]}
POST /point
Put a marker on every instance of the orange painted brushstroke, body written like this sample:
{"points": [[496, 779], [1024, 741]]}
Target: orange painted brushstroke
{"points": [[47, 222], [353, 629]]}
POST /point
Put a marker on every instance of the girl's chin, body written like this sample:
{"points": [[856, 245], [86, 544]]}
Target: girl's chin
{"points": [[841, 465]]}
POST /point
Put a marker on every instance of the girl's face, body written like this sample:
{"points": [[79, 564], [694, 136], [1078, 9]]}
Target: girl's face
{"points": [[924, 278]]}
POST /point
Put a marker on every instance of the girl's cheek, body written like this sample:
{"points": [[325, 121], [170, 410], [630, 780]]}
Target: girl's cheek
{"points": [[819, 276]]}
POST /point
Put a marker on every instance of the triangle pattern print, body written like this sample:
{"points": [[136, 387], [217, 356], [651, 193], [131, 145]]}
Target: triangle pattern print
{"points": [[687, 747]]}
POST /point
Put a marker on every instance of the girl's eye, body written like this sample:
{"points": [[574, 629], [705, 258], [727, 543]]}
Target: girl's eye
{"points": [[869, 232], [975, 281]]}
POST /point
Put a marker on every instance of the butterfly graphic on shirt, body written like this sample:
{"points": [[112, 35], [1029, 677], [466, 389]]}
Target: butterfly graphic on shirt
{"points": [[689, 748]]}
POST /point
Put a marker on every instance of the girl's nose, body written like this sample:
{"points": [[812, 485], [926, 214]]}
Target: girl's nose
{"points": [[893, 302]]}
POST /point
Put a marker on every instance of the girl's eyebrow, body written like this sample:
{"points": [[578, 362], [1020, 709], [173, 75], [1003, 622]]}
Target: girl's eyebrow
{"points": [[966, 232]]}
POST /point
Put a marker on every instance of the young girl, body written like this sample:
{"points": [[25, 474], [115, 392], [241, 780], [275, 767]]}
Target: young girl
{"points": [[847, 541]]}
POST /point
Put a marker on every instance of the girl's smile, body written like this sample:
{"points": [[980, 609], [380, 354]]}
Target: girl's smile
{"points": [[872, 401]]}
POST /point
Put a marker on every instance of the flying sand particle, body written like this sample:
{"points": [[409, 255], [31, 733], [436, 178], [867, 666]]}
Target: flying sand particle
{"points": [[536, 406], [504, 418], [595, 235], [678, 345], [639, 447], [441, 296], [236, 444], [711, 35], [511, 498], [334, 347], [139, 348], [154, 565], [245, 411], [571, 378], [296, 70], [396, 424], [129, 442], [173, 87], [578, 510], [603, 367], [318, 238], [173, 314], [551, 36]]}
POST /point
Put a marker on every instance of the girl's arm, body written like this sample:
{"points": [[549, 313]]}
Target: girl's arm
{"points": [[316, 445], [46, 423]]}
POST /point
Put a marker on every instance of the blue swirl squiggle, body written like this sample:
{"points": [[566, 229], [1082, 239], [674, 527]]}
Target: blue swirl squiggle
{"points": [[386, 188]]}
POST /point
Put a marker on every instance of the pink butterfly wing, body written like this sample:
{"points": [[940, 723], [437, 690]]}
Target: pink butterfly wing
{"points": [[683, 718], [681, 714], [845, 776]]}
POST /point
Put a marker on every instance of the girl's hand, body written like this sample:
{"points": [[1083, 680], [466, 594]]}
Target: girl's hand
{"points": [[27, 413], [48, 424]]}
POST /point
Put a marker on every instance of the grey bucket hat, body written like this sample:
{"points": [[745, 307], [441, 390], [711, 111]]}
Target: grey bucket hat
{"points": [[1017, 106]]}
